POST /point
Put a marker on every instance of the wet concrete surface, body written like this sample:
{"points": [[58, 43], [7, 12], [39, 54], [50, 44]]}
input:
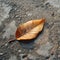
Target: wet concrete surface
{"points": [[46, 46]]}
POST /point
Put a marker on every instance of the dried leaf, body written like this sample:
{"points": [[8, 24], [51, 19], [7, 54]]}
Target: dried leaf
{"points": [[30, 29]]}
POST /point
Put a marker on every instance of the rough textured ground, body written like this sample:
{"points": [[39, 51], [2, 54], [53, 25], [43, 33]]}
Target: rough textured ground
{"points": [[46, 46]]}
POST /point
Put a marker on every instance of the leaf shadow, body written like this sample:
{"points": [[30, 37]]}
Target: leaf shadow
{"points": [[29, 44]]}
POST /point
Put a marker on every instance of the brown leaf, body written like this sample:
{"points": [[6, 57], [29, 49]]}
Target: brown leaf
{"points": [[30, 29]]}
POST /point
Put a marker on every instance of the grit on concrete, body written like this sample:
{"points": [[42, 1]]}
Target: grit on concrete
{"points": [[46, 46]]}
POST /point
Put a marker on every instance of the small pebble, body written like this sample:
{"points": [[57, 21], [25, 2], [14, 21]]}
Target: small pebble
{"points": [[30, 56], [15, 9], [6, 44], [1, 53], [47, 57], [29, 14], [18, 10], [25, 59], [52, 14], [21, 54], [24, 56], [17, 16], [19, 50]]}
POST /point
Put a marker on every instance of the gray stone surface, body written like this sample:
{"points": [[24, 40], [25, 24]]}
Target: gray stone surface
{"points": [[10, 29], [13, 58], [44, 49], [14, 12], [4, 11], [55, 3]]}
